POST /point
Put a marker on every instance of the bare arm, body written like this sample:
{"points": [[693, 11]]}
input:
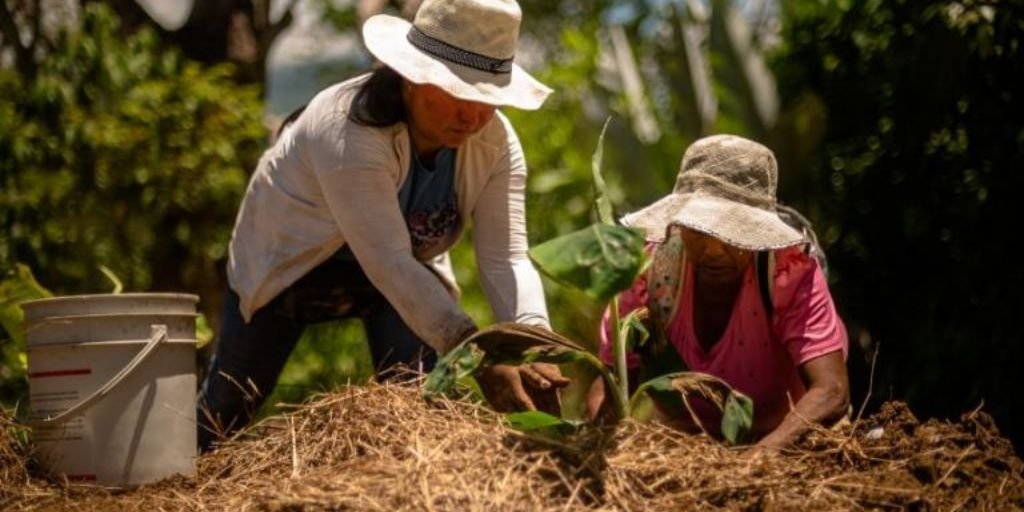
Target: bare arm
{"points": [[826, 400]]}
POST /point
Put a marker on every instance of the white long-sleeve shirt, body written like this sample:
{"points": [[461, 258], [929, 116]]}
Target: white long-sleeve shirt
{"points": [[328, 182]]}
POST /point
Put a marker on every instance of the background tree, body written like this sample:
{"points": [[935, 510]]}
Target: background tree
{"points": [[124, 155], [917, 184], [240, 32]]}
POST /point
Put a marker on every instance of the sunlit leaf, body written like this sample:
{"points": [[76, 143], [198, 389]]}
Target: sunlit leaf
{"points": [[114, 280], [19, 286], [737, 417], [554, 355], [457, 364], [669, 393], [541, 424], [601, 260], [533, 420], [204, 333], [633, 329], [513, 344], [658, 391], [601, 202]]}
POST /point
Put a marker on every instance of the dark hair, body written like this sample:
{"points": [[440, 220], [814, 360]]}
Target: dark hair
{"points": [[379, 101], [289, 120]]}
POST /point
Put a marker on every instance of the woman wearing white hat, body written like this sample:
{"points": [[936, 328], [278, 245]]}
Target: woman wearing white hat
{"points": [[353, 209], [733, 292]]}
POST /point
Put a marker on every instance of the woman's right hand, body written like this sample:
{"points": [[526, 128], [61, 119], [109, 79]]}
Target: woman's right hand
{"points": [[530, 387]]}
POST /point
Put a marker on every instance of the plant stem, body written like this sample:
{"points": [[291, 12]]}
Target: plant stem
{"points": [[619, 346]]}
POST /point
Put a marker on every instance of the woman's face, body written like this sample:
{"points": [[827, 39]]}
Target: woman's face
{"points": [[714, 261], [438, 119]]}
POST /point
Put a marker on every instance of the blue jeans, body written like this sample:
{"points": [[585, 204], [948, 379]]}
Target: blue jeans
{"points": [[249, 357]]}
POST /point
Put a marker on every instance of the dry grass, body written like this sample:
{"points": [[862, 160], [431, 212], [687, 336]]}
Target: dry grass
{"points": [[382, 447]]}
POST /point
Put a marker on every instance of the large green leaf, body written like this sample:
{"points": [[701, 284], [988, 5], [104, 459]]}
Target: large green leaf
{"points": [[601, 260], [514, 344]]}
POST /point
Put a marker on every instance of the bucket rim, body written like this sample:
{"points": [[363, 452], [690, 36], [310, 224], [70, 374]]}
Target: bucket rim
{"points": [[107, 343], [91, 316], [189, 297]]}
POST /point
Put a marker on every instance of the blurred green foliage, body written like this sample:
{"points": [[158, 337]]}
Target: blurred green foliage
{"points": [[119, 154], [916, 184], [16, 286], [122, 154]]}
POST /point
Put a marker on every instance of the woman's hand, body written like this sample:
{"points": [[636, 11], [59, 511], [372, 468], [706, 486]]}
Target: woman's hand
{"points": [[529, 387], [595, 398]]}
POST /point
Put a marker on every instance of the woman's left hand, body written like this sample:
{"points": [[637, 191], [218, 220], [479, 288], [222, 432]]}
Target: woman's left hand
{"points": [[530, 387]]}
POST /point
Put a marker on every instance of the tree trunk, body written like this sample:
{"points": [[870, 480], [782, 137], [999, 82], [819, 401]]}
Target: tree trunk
{"points": [[235, 31]]}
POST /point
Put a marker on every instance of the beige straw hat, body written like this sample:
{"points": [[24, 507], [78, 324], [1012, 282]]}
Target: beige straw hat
{"points": [[465, 47], [726, 189]]}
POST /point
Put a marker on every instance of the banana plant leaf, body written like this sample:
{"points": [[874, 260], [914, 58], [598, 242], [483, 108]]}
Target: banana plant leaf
{"points": [[737, 416], [455, 366], [602, 204], [669, 394], [510, 337], [634, 331], [507, 343], [601, 260], [541, 424]]}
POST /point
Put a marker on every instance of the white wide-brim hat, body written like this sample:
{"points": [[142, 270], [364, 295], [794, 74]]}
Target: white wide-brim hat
{"points": [[465, 47], [725, 188]]}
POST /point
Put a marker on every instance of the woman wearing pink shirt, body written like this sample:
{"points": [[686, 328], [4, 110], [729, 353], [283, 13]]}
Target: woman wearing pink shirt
{"points": [[766, 324]]}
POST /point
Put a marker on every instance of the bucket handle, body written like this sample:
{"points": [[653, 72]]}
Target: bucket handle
{"points": [[159, 334]]}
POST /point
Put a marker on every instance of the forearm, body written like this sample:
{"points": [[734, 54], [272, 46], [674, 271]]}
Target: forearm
{"points": [[421, 299], [820, 404]]}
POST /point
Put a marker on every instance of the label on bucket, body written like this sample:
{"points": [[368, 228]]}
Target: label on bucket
{"points": [[50, 404], [71, 430], [53, 390]]}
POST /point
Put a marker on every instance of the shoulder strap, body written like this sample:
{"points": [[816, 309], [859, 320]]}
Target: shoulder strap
{"points": [[765, 267]]}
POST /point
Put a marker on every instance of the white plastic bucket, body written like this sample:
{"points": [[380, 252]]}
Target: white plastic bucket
{"points": [[112, 386]]}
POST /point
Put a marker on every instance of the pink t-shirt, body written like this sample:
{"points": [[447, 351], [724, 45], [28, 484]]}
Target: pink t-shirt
{"points": [[758, 360]]}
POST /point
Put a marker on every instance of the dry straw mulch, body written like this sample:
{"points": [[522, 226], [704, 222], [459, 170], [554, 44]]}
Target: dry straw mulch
{"points": [[382, 447]]}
